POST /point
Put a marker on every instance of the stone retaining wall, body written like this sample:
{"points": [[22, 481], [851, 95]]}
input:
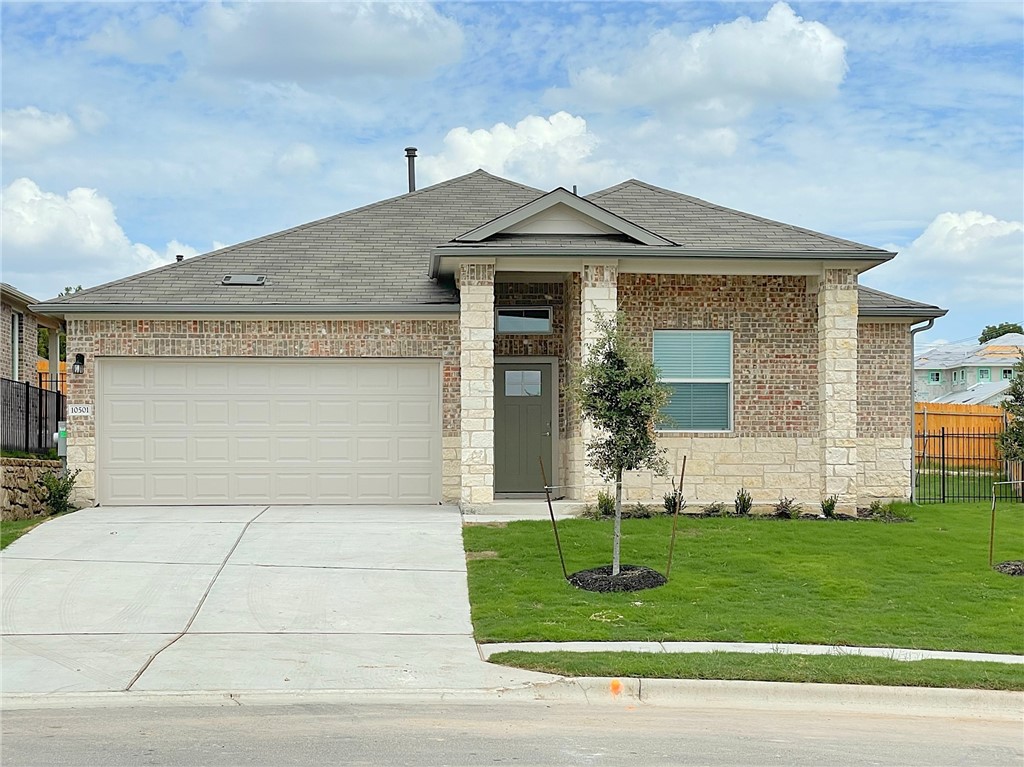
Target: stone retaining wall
{"points": [[21, 493]]}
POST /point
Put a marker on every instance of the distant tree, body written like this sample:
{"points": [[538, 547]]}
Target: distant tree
{"points": [[1011, 441], [617, 389], [43, 337], [994, 331]]}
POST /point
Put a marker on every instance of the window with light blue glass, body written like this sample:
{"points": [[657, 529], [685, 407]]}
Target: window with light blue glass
{"points": [[984, 374], [696, 365]]}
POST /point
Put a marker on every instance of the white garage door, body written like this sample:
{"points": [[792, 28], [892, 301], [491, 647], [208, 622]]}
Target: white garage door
{"points": [[183, 431]]}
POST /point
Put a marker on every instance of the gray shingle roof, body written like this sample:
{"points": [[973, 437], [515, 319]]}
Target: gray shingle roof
{"points": [[875, 303], [379, 255], [697, 224]]}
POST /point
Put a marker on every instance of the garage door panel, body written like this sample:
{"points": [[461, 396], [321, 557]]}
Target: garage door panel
{"points": [[268, 431], [253, 413], [213, 413]]}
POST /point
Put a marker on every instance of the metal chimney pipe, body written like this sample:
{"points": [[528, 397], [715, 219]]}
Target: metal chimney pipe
{"points": [[410, 155], [179, 258]]}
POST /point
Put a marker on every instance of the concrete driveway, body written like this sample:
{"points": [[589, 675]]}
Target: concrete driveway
{"points": [[242, 599]]}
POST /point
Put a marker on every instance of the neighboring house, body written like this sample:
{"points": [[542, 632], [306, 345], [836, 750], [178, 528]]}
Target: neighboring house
{"points": [[20, 335], [969, 374], [419, 350]]}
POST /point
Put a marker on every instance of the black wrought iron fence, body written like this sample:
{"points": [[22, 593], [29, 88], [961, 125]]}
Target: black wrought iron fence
{"points": [[53, 381], [961, 466], [30, 416]]}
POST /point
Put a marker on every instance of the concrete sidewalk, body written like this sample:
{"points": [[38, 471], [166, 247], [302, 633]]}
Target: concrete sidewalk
{"points": [[893, 653]]}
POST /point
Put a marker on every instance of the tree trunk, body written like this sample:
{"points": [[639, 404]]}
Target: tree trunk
{"points": [[618, 522]]}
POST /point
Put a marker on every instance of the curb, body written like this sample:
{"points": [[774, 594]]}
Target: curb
{"points": [[821, 699], [782, 696]]}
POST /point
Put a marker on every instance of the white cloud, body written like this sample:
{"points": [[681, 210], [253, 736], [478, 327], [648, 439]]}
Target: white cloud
{"points": [[970, 259], [50, 240], [298, 159], [722, 73], [141, 41], [550, 151], [317, 42], [30, 129]]}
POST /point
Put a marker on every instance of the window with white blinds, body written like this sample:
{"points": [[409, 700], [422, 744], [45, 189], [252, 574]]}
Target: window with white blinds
{"points": [[697, 366]]}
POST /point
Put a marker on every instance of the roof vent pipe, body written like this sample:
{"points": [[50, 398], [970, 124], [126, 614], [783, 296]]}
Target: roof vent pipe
{"points": [[179, 258], [410, 155]]}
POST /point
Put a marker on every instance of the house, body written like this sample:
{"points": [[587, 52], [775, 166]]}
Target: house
{"points": [[19, 344], [968, 374], [418, 350]]}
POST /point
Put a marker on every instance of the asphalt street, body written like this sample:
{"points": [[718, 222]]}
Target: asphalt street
{"points": [[502, 733]]}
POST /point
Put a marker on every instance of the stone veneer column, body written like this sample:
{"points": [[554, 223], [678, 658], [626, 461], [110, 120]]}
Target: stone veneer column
{"points": [[599, 296], [476, 323], [837, 378]]}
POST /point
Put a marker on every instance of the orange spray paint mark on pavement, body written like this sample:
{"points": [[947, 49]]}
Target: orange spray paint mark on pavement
{"points": [[616, 687]]}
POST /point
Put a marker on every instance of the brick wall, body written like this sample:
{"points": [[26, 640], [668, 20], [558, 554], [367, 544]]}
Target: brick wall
{"points": [[883, 409], [413, 338], [775, 343], [28, 351]]}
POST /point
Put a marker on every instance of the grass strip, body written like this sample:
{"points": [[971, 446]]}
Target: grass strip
{"points": [[772, 667], [924, 584], [10, 531]]}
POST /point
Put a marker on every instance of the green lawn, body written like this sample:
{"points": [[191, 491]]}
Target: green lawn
{"points": [[924, 584], [12, 531], [773, 667]]}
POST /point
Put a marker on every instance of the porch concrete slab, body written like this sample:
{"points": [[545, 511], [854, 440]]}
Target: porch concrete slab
{"points": [[400, 516], [302, 662], [189, 514], [74, 663], [113, 540], [345, 545], [59, 597], [249, 598], [504, 510]]}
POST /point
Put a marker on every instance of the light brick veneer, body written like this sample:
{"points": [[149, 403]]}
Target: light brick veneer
{"points": [[883, 410], [366, 338], [476, 318]]}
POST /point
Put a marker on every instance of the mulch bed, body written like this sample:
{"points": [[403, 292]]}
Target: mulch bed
{"points": [[1013, 567], [630, 578]]}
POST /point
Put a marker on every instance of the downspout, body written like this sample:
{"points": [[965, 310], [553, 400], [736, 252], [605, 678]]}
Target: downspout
{"points": [[913, 462]]}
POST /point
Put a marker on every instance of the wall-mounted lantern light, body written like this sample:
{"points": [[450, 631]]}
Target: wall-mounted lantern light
{"points": [[78, 366]]}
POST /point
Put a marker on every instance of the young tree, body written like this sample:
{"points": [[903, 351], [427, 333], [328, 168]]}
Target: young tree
{"points": [[994, 331], [1011, 441], [617, 389]]}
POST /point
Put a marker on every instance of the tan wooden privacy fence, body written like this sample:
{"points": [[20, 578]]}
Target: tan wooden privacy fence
{"points": [[976, 419]]}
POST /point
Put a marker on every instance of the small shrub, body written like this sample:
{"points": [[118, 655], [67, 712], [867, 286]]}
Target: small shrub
{"points": [[743, 503], [671, 499], [605, 504], [716, 509], [57, 491], [638, 511], [787, 508], [877, 508], [828, 506]]}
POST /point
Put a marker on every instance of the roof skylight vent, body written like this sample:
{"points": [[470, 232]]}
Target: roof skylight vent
{"points": [[244, 279]]}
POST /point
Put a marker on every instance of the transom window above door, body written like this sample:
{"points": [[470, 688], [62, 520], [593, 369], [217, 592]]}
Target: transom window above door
{"points": [[522, 383], [520, 319]]}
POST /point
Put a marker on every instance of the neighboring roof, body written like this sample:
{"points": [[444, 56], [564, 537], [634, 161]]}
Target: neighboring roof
{"points": [[978, 394], [875, 303], [381, 257], [11, 292], [24, 302], [999, 352]]}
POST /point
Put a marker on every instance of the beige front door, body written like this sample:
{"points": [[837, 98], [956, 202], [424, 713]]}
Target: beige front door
{"points": [[242, 431]]}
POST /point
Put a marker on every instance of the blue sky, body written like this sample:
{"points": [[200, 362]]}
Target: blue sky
{"points": [[135, 131]]}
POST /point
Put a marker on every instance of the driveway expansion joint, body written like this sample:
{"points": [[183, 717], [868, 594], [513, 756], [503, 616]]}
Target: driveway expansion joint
{"points": [[202, 601]]}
